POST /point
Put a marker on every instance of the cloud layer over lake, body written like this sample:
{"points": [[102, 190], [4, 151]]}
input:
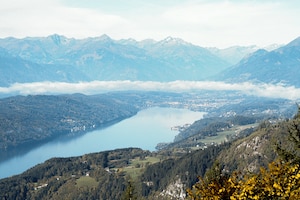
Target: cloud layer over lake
{"points": [[95, 87]]}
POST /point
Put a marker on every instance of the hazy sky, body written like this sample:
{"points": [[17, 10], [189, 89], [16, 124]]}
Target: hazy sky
{"points": [[217, 23]]}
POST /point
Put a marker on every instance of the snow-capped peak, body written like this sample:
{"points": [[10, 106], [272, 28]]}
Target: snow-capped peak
{"points": [[173, 41]]}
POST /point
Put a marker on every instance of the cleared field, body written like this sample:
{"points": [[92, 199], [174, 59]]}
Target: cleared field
{"points": [[221, 137], [147, 160], [137, 166], [86, 181]]}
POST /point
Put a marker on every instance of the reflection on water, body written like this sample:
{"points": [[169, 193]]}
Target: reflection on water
{"points": [[24, 149], [144, 130]]}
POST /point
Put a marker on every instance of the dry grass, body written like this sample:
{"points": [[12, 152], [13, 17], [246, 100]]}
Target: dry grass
{"points": [[86, 181]]}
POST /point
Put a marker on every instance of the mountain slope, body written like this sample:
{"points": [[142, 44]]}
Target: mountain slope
{"points": [[83, 177], [190, 61], [234, 54], [15, 69], [34, 119], [259, 148], [278, 66]]}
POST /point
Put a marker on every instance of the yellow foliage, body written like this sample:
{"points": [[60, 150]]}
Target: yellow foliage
{"points": [[279, 181]]}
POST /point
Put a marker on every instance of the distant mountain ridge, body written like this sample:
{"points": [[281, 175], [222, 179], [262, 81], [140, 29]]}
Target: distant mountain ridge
{"points": [[16, 69], [102, 58], [58, 58], [281, 65], [234, 54]]}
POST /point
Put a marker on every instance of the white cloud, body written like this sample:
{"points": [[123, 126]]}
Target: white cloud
{"points": [[95, 87], [225, 23], [42, 18], [218, 23]]}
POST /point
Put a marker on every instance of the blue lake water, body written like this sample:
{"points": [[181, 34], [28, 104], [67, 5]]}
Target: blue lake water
{"points": [[144, 130]]}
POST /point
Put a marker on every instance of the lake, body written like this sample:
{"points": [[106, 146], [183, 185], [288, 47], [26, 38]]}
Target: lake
{"points": [[144, 130]]}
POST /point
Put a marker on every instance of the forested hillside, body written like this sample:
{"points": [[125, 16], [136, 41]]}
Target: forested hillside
{"points": [[210, 126], [93, 176], [34, 119], [249, 169]]}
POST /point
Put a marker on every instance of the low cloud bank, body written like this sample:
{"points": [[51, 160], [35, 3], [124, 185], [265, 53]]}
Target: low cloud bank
{"points": [[95, 87]]}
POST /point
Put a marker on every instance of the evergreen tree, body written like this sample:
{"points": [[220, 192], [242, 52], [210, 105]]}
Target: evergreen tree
{"points": [[129, 193], [292, 154]]}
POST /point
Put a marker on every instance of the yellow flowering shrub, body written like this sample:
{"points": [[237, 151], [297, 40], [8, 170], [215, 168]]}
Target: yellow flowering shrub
{"points": [[279, 181]]}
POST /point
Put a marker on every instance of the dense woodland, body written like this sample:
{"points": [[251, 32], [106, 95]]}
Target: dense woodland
{"points": [[211, 125], [33, 119], [232, 170]]}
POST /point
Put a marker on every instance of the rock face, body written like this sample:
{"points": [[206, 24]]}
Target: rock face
{"points": [[175, 190]]}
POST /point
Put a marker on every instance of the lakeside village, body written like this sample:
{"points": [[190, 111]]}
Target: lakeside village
{"points": [[180, 128]]}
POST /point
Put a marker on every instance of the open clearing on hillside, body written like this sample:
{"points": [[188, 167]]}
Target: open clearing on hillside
{"points": [[86, 181], [137, 165], [221, 137]]}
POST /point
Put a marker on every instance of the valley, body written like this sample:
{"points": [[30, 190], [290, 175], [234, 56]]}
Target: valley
{"points": [[230, 116], [35, 119], [160, 174], [144, 130], [241, 103], [149, 100]]}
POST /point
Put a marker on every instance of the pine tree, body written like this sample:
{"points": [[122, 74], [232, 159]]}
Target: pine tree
{"points": [[293, 153], [129, 193]]}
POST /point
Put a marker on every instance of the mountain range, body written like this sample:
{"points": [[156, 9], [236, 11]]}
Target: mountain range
{"points": [[58, 58]]}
